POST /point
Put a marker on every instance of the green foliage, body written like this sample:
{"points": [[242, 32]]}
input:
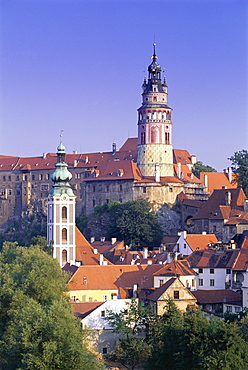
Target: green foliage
{"points": [[38, 330], [191, 341], [240, 166], [133, 221], [200, 167], [133, 324], [22, 230]]}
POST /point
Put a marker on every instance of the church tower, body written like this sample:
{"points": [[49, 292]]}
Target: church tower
{"points": [[155, 125], [61, 212]]}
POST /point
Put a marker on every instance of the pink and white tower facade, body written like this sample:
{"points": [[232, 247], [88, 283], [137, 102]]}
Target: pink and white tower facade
{"points": [[155, 125]]}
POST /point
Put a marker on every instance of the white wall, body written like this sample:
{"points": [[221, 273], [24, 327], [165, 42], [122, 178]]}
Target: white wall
{"points": [[219, 276]]}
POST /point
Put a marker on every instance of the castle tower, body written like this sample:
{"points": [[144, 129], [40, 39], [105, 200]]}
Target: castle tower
{"points": [[61, 212], [155, 125]]}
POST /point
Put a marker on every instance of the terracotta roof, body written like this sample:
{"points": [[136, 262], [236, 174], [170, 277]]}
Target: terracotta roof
{"points": [[84, 251], [187, 174], [130, 144], [176, 268], [167, 179], [82, 309], [112, 277], [242, 260], [200, 241], [109, 170], [107, 246], [181, 156], [216, 180], [217, 296], [214, 207], [212, 258]]}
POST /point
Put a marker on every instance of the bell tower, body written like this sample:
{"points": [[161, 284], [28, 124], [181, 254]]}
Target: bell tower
{"points": [[155, 125], [61, 212]]}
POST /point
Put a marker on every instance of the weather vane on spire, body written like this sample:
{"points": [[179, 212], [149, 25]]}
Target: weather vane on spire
{"points": [[61, 134]]}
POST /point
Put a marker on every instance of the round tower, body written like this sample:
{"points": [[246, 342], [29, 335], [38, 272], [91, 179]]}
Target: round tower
{"points": [[61, 212], [155, 125]]}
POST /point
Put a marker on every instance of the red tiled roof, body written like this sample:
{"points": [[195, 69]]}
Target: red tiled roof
{"points": [[181, 156], [156, 294], [84, 251], [212, 258], [242, 260], [216, 180], [214, 207], [217, 296], [82, 309], [200, 241], [176, 268], [112, 277]]}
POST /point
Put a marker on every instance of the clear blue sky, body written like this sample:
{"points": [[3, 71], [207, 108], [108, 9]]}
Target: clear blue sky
{"points": [[79, 66]]}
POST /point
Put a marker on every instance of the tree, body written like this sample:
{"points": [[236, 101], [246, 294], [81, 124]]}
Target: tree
{"points": [[133, 324], [200, 167], [133, 221], [240, 167], [186, 341], [38, 330]]}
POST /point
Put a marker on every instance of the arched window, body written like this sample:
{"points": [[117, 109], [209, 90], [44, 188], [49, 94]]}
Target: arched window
{"points": [[167, 138], [143, 137], [64, 256], [64, 235], [64, 213]]}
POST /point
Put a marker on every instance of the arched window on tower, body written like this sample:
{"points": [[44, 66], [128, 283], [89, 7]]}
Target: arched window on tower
{"points": [[143, 138], [167, 138], [64, 235], [64, 257], [64, 213]]}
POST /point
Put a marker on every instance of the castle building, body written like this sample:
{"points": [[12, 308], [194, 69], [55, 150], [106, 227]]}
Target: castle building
{"points": [[144, 167]]}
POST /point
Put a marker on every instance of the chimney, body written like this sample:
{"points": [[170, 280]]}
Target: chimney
{"points": [[75, 163], [193, 159], [74, 152], [145, 253], [95, 250], [102, 239], [44, 155], [157, 172], [113, 240], [228, 198], [92, 239], [113, 148], [179, 170], [86, 159], [101, 260], [135, 290], [206, 181], [229, 174], [204, 233]]}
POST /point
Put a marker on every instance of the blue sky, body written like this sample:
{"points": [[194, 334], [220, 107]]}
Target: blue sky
{"points": [[79, 66]]}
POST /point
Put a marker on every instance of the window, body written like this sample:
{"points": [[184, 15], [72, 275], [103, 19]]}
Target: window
{"points": [[161, 282], [184, 246], [4, 178], [93, 202], [104, 297], [41, 176], [120, 188], [200, 282], [64, 213], [193, 283], [33, 177], [17, 178], [144, 189], [25, 177], [107, 200], [104, 350], [120, 200], [171, 190], [229, 308], [211, 271], [211, 282], [9, 178], [143, 138], [200, 270], [228, 271], [176, 294], [102, 313], [44, 187], [77, 176], [64, 256], [94, 189], [64, 235], [85, 280], [107, 188]]}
